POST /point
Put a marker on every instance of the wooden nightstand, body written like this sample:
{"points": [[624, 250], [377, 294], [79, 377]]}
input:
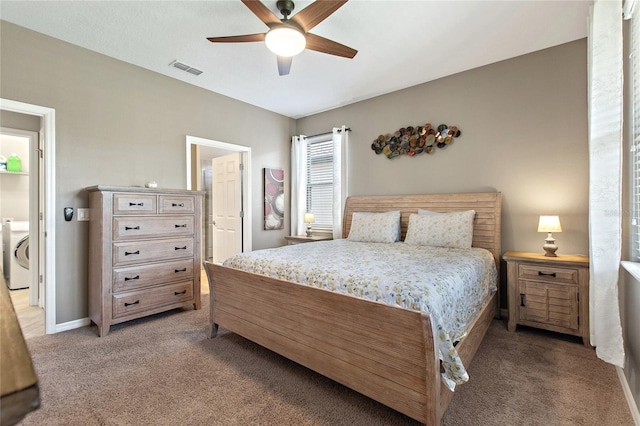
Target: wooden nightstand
{"points": [[551, 293], [299, 239]]}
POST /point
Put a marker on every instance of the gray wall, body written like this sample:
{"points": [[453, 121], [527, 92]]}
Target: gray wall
{"points": [[118, 124], [524, 133]]}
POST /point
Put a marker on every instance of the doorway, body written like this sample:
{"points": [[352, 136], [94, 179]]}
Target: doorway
{"points": [[42, 217], [201, 152]]}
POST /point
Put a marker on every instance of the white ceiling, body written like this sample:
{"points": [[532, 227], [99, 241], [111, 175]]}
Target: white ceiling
{"points": [[400, 43]]}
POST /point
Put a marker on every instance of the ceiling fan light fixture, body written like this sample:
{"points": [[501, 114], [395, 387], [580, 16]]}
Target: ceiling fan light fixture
{"points": [[285, 41]]}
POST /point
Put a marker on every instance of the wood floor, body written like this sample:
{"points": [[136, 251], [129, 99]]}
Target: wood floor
{"points": [[31, 318]]}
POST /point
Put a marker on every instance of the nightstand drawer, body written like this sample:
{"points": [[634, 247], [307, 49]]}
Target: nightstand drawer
{"points": [[532, 271]]}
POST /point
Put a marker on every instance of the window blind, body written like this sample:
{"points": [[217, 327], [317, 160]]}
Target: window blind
{"points": [[320, 182], [635, 130]]}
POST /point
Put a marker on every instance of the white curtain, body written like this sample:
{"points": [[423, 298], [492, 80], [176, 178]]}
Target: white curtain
{"points": [[605, 183], [340, 162], [298, 181]]}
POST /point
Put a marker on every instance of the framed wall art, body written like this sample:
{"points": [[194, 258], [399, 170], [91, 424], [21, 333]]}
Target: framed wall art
{"points": [[273, 199]]}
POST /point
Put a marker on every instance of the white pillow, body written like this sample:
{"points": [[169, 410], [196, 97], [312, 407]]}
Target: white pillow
{"points": [[453, 229], [375, 227]]}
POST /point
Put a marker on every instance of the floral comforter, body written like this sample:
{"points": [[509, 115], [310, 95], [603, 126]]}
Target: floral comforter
{"points": [[450, 284]]}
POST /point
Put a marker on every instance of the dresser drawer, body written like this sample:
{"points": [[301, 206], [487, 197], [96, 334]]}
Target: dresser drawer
{"points": [[128, 253], [134, 277], [532, 271], [137, 301], [134, 203], [127, 227], [176, 204]]}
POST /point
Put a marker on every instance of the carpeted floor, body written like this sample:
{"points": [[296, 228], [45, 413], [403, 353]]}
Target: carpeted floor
{"points": [[163, 370]]}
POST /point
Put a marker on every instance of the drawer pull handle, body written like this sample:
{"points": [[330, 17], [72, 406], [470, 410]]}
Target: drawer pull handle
{"points": [[127, 253], [181, 226], [132, 303], [177, 204], [180, 270], [136, 204], [128, 228], [137, 277], [181, 248], [523, 299], [178, 293], [552, 274]]}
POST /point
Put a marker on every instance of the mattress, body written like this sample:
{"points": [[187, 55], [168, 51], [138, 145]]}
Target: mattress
{"points": [[452, 285]]}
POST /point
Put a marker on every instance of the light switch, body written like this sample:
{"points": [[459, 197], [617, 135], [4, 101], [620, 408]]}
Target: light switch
{"points": [[83, 215]]}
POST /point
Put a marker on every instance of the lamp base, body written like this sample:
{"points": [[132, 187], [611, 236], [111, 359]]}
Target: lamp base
{"points": [[309, 232], [550, 246]]}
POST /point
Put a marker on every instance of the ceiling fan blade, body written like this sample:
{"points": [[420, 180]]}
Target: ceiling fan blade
{"points": [[262, 12], [324, 45], [315, 13], [237, 39], [284, 65]]}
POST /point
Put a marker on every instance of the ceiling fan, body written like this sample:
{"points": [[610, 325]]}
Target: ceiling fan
{"points": [[288, 37]]}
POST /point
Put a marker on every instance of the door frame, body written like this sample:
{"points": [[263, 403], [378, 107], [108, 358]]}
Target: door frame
{"points": [[48, 125], [246, 185]]}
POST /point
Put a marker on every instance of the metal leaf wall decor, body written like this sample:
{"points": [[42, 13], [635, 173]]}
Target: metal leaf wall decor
{"points": [[415, 140]]}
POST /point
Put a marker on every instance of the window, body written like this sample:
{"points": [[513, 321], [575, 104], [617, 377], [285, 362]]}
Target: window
{"points": [[319, 180], [319, 199]]}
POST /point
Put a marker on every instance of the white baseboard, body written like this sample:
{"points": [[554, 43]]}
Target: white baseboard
{"points": [[633, 407], [65, 326]]}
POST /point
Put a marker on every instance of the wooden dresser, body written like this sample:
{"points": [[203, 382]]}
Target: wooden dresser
{"points": [[144, 252]]}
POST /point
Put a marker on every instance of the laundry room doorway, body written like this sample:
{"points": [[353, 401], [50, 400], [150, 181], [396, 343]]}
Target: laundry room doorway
{"points": [[28, 182]]}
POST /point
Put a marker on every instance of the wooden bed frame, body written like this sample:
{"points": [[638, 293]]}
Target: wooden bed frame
{"points": [[384, 352]]}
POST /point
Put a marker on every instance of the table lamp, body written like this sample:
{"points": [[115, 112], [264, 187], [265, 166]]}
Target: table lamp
{"points": [[309, 219], [549, 224]]}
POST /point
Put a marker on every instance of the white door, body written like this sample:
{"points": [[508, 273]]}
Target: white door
{"points": [[227, 204]]}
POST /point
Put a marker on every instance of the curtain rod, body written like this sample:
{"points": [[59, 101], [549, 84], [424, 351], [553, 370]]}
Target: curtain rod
{"points": [[348, 129]]}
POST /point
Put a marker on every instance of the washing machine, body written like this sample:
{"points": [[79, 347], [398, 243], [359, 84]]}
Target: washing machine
{"points": [[15, 259]]}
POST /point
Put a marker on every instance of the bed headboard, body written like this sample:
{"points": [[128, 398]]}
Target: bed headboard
{"points": [[486, 225]]}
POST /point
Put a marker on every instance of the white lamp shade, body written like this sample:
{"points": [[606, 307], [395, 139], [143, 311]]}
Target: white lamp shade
{"points": [[285, 41], [309, 218], [549, 224]]}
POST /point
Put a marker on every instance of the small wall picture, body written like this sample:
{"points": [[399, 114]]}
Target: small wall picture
{"points": [[273, 199]]}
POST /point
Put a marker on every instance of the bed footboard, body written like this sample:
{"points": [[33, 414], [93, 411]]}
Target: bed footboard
{"points": [[384, 352]]}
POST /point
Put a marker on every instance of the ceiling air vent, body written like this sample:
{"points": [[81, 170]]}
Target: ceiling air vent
{"points": [[185, 67]]}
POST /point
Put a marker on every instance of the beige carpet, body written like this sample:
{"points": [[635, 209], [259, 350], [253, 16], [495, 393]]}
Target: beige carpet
{"points": [[164, 371]]}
